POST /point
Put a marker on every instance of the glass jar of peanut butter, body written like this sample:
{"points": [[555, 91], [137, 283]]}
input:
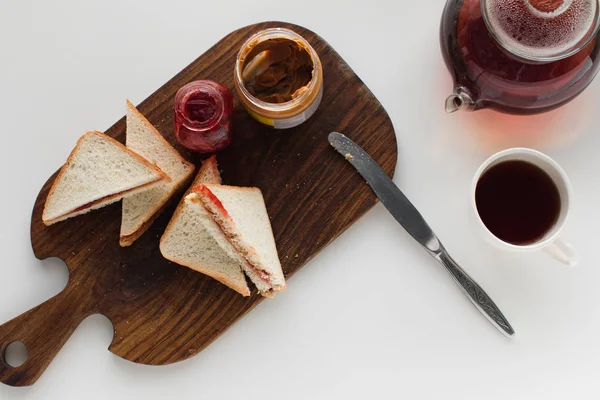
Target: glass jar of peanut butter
{"points": [[279, 78]]}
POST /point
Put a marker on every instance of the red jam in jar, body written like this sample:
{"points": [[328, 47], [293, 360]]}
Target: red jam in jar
{"points": [[203, 116]]}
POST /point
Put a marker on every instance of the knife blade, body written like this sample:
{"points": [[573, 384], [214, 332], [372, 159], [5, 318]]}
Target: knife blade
{"points": [[413, 222]]}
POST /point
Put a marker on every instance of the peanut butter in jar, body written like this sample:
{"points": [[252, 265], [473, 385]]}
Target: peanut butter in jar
{"points": [[279, 78]]}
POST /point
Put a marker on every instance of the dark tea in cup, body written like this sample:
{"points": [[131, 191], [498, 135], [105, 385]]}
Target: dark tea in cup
{"points": [[517, 201]]}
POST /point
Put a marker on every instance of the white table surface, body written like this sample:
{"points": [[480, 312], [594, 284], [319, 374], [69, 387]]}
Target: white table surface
{"points": [[372, 316]]}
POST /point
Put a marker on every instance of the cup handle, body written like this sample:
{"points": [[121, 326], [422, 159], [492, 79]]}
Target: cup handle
{"points": [[563, 252]]}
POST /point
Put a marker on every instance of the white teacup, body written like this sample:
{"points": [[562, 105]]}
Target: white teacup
{"points": [[550, 242]]}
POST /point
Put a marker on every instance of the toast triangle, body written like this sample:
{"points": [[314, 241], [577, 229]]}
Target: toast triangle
{"points": [[98, 172], [140, 210]]}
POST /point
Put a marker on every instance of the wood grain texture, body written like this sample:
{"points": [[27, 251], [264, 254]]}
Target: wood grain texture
{"points": [[164, 313]]}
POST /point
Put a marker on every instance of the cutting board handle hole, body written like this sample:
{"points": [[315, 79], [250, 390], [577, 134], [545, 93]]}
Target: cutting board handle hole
{"points": [[15, 354]]}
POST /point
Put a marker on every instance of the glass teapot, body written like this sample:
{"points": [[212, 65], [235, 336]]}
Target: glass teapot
{"points": [[519, 56]]}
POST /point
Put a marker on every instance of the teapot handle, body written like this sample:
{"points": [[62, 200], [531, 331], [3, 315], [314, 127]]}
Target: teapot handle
{"points": [[461, 99]]}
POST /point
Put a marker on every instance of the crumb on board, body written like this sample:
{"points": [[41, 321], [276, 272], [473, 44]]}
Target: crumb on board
{"points": [[349, 157]]}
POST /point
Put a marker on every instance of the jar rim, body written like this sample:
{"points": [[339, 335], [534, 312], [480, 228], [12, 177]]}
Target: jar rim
{"points": [[202, 86], [576, 48], [275, 33]]}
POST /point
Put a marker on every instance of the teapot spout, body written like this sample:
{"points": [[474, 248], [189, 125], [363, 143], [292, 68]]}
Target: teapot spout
{"points": [[459, 100]]}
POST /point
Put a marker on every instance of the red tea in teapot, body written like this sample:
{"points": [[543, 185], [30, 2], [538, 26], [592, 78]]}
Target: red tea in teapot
{"points": [[519, 56]]}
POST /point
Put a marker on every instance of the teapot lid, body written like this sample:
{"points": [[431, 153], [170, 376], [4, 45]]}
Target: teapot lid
{"points": [[542, 30]]}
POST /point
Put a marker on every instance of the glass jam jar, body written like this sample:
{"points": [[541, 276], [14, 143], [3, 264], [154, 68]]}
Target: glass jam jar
{"points": [[279, 78], [203, 116]]}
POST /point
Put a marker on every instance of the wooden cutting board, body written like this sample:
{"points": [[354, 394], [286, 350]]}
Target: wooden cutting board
{"points": [[163, 313]]}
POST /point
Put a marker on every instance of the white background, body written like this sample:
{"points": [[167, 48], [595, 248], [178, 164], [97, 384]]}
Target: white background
{"points": [[372, 316]]}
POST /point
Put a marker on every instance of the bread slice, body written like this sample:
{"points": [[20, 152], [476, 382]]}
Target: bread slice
{"points": [[193, 239], [242, 215], [98, 172], [140, 210]]}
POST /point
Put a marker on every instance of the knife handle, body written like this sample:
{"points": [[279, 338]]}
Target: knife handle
{"points": [[476, 294]]}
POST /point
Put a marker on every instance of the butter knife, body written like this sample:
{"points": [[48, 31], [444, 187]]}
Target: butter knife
{"points": [[411, 220]]}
